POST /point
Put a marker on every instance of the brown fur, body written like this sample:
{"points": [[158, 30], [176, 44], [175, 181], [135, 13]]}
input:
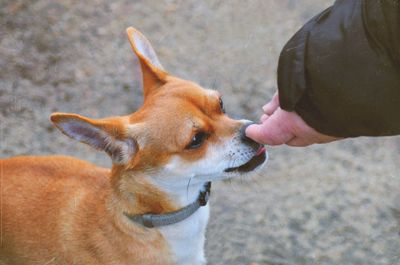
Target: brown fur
{"points": [[62, 210]]}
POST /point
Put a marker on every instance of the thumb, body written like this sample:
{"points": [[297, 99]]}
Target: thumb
{"points": [[255, 132], [272, 131], [266, 133]]}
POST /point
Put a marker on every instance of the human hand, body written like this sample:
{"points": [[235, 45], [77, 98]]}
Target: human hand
{"points": [[282, 127]]}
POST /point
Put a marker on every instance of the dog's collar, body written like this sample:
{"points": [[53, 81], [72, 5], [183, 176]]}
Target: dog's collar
{"points": [[155, 220]]}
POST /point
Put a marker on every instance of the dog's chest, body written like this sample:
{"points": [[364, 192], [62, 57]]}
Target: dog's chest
{"points": [[186, 238]]}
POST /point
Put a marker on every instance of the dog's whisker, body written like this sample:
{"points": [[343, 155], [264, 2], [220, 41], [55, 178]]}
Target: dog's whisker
{"points": [[187, 188]]}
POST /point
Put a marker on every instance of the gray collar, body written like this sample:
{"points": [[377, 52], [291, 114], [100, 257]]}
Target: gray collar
{"points": [[154, 220]]}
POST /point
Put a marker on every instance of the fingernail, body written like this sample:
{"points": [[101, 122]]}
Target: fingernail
{"points": [[265, 107]]}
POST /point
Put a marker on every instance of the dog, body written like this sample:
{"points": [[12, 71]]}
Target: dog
{"points": [[151, 206]]}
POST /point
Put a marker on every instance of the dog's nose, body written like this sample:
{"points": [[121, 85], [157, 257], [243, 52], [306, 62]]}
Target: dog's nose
{"points": [[243, 136]]}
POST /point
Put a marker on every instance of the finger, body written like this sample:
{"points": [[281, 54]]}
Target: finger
{"points": [[271, 106], [271, 131], [261, 134], [257, 133], [264, 117]]}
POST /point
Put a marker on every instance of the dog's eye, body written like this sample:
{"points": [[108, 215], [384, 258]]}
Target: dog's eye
{"points": [[221, 104], [197, 140]]}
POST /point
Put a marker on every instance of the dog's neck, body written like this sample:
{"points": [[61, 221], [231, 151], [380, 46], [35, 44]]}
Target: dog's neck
{"points": [[187, 238], [181, 195], [139, 194], [142, 194]]}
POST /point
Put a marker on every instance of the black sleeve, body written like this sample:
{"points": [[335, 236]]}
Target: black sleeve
{"points": [[341, 71]]}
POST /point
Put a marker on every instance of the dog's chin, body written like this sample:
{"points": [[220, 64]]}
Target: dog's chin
{"points": [[255, 163]]}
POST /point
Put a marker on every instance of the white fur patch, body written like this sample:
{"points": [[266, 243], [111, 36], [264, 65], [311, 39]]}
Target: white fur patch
{"points": [[183, 180]]}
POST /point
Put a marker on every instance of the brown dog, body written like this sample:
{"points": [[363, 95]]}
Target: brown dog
{"points": [[150, 208]]}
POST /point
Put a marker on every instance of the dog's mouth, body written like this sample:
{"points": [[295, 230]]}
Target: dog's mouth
{"points": [[252, 164]]}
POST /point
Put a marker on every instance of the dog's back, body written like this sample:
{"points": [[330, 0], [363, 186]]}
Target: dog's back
{"points": [[43, 192], [54, 211]]}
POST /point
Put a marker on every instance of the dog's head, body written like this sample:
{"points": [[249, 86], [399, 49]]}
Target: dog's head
{"points": [[180, 132]]}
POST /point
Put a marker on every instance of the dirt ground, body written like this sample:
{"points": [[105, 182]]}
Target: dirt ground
{"points": [[330, 204]]}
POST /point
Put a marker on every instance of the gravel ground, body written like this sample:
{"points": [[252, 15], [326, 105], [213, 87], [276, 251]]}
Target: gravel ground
{"points": [[331, 204]]}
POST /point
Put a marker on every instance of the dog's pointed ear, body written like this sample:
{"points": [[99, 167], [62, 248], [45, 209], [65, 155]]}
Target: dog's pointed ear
{"points": [[153, 73], [104, 134]]}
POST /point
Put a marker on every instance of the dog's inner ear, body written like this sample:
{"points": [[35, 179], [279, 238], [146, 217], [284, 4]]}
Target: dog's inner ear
{"points": [[153, 73], [106, 135]]}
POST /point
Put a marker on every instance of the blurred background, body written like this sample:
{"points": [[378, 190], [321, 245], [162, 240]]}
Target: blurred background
{"points": [[332, 204]]}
